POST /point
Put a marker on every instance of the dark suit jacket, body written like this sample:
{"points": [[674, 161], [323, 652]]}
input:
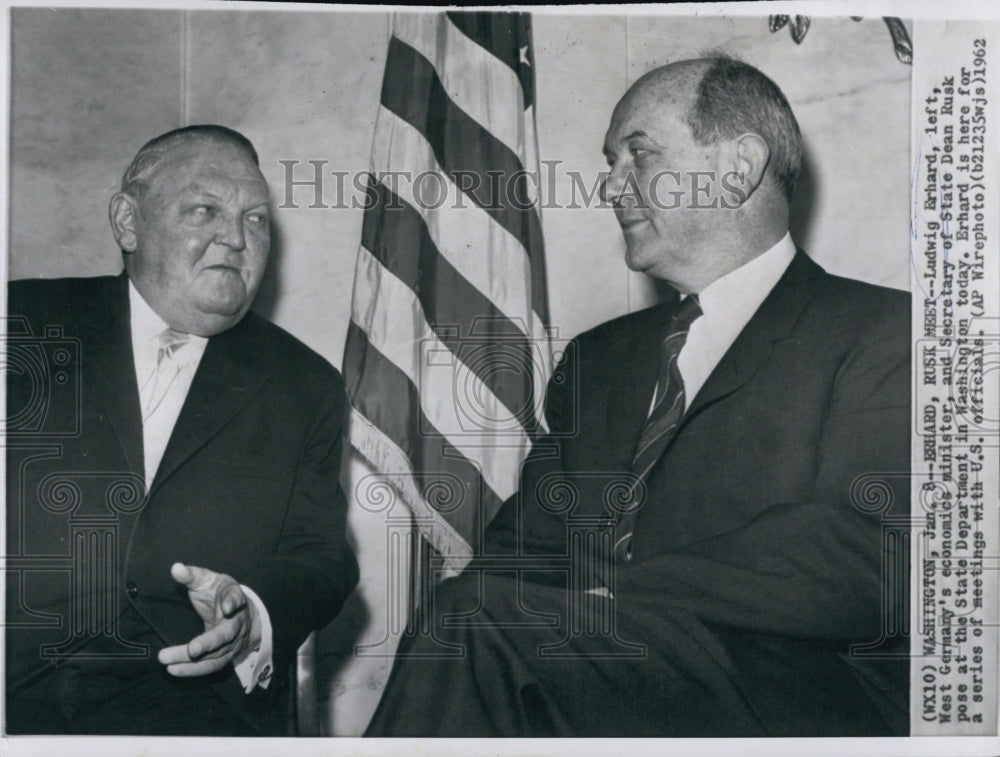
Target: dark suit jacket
{"points": [[751, 522], [248, 484]]}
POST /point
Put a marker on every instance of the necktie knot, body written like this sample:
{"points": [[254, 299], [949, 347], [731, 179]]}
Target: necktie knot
{"points": [[684, 315], [169, 343], [168, 364]]}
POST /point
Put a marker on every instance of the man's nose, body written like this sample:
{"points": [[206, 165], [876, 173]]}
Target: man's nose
{"points": [[612, 185], [231, 234]]}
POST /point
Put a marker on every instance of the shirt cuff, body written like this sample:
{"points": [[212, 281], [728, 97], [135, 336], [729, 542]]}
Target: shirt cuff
{"points": [[255, 666]]}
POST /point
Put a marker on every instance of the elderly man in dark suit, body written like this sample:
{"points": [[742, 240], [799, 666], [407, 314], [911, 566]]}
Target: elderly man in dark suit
{"points": [[727, 442], [175, 523]]}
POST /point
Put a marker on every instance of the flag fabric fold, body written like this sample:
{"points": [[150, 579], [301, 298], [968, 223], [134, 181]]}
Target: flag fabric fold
{"points": [[448, 350]]}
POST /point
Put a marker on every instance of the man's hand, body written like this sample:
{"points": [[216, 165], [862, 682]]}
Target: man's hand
{"points": [[231, 623]]}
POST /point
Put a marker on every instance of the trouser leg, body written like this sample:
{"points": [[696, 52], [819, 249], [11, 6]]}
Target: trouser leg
{"points": [[506, 659]]}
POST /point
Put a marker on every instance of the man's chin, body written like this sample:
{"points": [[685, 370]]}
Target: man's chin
{"points": [[635, 260], [209, 324], [228, 301], [225, 310], [217, 315]]}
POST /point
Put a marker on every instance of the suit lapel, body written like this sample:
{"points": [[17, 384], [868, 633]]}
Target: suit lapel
{"points": [[232, 370], [774, 320], [108, 365]]}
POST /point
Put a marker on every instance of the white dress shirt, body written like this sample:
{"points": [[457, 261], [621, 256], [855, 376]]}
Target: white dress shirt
{"points": [[146, 329], [253, 667], [727, 305]]}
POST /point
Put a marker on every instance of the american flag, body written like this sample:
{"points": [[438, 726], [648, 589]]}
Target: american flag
{"points": [[448, 350]]}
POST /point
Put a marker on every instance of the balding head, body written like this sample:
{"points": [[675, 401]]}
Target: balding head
{"points": [[675, 83], [704, 154], [723, 98]]}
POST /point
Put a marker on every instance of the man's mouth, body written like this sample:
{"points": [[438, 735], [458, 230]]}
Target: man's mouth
{"points": [[628, 224]]}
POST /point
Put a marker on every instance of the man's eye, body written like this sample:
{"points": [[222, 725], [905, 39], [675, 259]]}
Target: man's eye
{"points": [[638, 152], [203, 210], [257, 218]]}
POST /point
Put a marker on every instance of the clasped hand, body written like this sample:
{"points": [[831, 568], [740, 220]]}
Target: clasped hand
{"points": [[230, 620]]}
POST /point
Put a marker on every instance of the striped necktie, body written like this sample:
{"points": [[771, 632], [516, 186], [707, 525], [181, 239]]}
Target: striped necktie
{"points": [[668, 409]]}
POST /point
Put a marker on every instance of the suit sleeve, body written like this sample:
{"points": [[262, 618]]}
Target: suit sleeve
{"points": [[808, 569], [313, 569]]}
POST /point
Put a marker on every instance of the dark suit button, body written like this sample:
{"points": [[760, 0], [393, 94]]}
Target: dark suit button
{"points": [[132, 589]]}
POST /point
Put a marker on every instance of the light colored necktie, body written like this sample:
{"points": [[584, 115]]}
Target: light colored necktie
{"points": [[168, 365]]}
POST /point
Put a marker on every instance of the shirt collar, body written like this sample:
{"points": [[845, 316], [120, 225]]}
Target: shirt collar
{"points": [[146, 325], [737, 295]]}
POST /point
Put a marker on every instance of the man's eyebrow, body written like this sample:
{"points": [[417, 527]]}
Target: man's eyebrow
{"points": [[198, 189], [639, 133], [634, 134]]}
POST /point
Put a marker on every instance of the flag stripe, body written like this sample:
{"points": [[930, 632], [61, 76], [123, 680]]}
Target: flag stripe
{"points": [[473, 78], [471, 156], [452, 398], [393, 467], [506, 36], [448, 350], [461, 317], [480, 250], [390, 400]]}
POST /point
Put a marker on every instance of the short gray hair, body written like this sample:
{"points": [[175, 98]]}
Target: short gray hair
{"points": [[734, 98], [135, 180]]}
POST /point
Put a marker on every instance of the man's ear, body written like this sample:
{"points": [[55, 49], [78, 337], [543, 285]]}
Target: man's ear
{"points": [[748, 159], [123, 212]]}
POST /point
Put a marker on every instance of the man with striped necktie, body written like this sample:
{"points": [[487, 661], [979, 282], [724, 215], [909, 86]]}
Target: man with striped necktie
{"points": [[728, 442], [175, 523]]}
